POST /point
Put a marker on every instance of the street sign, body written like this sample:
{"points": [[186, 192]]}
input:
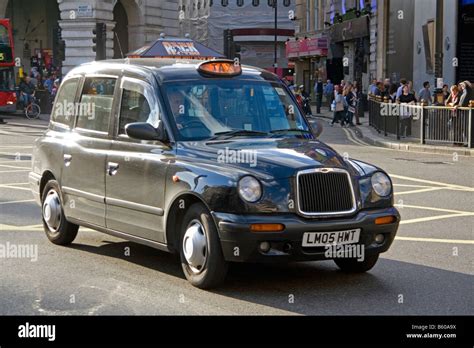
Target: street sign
{"points": [[84, 11]]}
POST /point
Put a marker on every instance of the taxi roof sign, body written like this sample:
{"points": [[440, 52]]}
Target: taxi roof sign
{"points": [[220, 67]]}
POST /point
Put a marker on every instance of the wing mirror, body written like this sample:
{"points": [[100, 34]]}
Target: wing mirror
{"points": [[145, 131], [317, 128]]}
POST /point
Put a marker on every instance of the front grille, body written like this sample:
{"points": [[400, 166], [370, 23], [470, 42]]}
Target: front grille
{"points": [[325, 191]]}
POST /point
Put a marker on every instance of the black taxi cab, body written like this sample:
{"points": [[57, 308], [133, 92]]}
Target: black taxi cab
{"points": [[211, 160]]}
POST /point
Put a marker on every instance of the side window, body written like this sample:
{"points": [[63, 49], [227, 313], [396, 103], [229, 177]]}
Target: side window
{"points": [[64, 107], [137, 105], [96, 103]]}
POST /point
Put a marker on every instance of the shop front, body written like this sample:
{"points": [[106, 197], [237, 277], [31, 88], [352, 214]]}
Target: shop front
{"points": [[309, 56]]}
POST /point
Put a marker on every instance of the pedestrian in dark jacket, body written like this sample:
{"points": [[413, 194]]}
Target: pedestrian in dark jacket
{"points": [[466, 94], [318, 92]]}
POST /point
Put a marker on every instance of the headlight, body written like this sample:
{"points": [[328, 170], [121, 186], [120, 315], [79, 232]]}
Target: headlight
{"points": [[381, 184], [250, 189]]}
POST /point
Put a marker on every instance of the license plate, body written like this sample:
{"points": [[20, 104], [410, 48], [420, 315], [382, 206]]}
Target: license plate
{"points": [[315, 239]]}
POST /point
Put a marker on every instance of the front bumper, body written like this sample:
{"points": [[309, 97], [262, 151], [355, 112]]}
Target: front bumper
{"points": [[241, 245]]}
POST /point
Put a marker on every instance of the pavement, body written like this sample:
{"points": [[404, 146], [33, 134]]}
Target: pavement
{"points": [[369, 135], [427, 271]]}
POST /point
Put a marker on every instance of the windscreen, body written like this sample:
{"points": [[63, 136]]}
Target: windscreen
{"points": [[202, 108]]}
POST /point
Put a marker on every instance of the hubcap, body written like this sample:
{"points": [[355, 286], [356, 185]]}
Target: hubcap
{"points": [[195, 246], [52, 210]]}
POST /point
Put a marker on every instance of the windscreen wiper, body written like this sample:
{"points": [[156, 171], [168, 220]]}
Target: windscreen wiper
{"points": [[291, 130], [235, 133]]}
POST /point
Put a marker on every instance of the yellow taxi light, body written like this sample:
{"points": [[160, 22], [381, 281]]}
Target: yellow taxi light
{"points": [[220, 68], [267, 227]]}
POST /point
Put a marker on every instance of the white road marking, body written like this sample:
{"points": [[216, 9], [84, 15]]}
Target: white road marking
{"points": [[14, 167], [420, 190], [15, 171], [15, 187], [433, 209], [401, 177], [14, 202], [431, 218], [436, 240]]}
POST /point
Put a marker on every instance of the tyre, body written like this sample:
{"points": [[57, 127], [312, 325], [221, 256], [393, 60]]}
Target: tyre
{"points": [[354, 266], [32, 111], [200, 249], [58, 230]]}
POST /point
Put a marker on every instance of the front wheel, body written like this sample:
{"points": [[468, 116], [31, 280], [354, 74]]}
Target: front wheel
{"points": [[200, 250], [32, 111], [354, 266]]}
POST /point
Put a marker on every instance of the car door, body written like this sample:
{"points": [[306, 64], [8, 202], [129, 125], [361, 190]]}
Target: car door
{"points": [[83, 177], [135, 183]]}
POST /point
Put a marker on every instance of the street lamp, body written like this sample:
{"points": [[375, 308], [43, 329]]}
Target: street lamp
{"points": [[274, 4]]}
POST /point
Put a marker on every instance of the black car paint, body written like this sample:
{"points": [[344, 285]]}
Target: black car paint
{"points": [[200, 176]]}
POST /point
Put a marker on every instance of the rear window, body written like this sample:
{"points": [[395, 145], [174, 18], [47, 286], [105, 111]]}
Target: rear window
{"points": [[96, 103]]}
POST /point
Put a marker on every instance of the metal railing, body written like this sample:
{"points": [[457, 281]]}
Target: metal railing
{"points": [[427, 124]]}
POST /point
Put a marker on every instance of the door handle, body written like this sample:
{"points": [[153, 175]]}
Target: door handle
{"points": [[67, 159], [112, 168]]}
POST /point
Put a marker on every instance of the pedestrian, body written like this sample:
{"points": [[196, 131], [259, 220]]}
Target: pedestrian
{"points": [[338, 106], [318, 92], [467, 93], [378, 89], [453, 123], [350, 99], [406, 98], [393, 92], [329, 92], [373, 86], [446, 92], [453, 98], [403, 82], [425, 93]]}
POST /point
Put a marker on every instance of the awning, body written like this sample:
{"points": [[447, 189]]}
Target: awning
{"points": [[175, 48]]}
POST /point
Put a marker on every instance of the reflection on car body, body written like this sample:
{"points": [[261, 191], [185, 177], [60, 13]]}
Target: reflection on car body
{"points": [[155, 166]]}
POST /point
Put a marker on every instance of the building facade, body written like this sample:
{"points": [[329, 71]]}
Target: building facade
{"points": [[38, 26], [377, 39], [251, 24], [350, 28]]}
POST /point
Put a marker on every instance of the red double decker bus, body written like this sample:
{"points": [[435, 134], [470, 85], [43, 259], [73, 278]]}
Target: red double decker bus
{"points": [[7, 71]]}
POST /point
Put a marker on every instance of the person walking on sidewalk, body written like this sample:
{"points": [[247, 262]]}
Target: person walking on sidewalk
{"points": [[425, 93], [338, 106], [318, 92], [350, 101]]}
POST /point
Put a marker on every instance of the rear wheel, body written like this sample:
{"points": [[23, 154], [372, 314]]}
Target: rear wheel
{"points": [[354, 266], [57, 228], [200, 250]]}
